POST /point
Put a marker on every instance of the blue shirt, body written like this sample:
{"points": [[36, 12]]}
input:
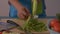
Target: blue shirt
{"points": [[27, 4], [13, 11]]}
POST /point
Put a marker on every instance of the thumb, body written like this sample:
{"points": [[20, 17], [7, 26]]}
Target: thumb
{"points": [[27, 11]]}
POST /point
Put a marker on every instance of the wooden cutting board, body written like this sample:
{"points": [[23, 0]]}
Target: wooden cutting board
{"points": [[21, 22]]}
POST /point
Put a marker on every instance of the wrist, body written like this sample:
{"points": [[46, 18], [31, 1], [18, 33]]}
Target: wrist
{"points": [[20, 8]]}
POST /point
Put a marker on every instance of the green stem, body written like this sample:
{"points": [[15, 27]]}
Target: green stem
{"points": [[27, 21], [34, 7]]}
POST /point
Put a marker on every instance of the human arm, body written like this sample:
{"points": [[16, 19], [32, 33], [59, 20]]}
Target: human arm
{"points": [[22, 11]]}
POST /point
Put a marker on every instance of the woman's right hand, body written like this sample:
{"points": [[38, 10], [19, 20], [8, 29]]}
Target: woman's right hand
{"points": [[23, 13]]}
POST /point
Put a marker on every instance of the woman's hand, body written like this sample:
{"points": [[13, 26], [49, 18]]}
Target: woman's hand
{"points": [[23, 13]]}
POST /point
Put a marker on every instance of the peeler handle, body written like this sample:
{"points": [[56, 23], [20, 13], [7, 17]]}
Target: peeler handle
{"points": [[12, 22]]}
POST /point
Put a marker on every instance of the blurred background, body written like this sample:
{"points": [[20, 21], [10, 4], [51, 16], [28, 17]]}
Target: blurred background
{"points": [[52, 7]]}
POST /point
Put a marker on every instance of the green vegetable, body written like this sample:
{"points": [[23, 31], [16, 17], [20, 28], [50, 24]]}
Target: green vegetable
{"points": [[34, 7], [39, 7], [36, 26], [32, 24]]}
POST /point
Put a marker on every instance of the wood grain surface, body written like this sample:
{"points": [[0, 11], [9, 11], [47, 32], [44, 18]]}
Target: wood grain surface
{"points": [[21, 23]]}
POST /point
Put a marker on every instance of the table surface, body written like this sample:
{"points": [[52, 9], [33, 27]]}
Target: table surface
{"points": [[20, 22]]}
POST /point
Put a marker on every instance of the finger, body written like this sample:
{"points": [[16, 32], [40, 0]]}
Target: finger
{"points": [[21, 16], [27, 12], [25, 16], [24, 13]]}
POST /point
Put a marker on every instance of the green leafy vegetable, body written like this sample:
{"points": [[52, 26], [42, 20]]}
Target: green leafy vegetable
{"points": [[39, 7], [32, 24]]}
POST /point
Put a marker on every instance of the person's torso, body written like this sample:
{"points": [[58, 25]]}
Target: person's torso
{"points": [[26, 3]]}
